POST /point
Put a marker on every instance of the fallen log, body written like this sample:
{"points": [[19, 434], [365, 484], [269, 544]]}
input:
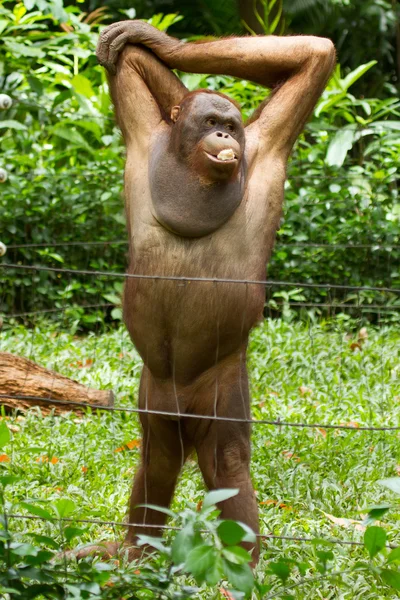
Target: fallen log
{"points": [[24, 384]]}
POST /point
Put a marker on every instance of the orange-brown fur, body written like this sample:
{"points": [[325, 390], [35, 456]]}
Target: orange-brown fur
{"points": [[193, 336]]}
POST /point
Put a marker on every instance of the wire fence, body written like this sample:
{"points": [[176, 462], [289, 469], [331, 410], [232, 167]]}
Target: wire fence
{"points": [[357, 306], [279, 423], [376, 246]]}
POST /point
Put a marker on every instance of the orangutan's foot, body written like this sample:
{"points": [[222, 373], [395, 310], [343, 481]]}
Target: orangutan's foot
{"points": [[106, 551]]}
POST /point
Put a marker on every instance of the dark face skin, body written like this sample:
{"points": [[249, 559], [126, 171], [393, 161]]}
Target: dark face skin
{"points": [[205, 125], [197, 169]]}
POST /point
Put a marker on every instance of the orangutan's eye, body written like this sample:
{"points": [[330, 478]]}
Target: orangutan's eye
{"points": [[211, 122], [229, 127]]}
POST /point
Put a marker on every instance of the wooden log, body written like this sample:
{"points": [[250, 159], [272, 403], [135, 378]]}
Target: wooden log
{"points": [[23, 378]]}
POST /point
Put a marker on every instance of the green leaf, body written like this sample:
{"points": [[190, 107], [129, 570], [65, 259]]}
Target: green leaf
{"points": [[374, 540], [217, 496], [391, 577], [250, 536], [72, 136], [44, 540], [3, 24], [23, 549], [356, 74], [35, 85], [237, 555], [239, 576], [325, 105], [154, 542], [41, 557], [24, 50], [199, 560], [11, 124], [37, 511], [183, 543], [113, 298], [339, 147], [394, 556], [64, 507], [5, 435], [230, 532], [324, 555], [376, 512], [116, 314], [385, 125], [280, 569], [392, 483], [215, 572], [71, 532], [9, 479], [83, 86]]}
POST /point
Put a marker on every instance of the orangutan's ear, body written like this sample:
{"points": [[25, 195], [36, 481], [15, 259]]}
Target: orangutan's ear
{"points": [[175, 113]]}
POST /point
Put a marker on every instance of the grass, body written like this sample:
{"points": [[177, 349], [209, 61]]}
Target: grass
{"points": [[307, 480]]}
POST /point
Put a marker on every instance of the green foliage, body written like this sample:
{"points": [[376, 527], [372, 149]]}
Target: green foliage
{"points": [[349, 23], [64, 159], [307, 480]]}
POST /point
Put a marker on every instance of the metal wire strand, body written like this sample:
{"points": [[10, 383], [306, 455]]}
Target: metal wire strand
{"points": [[172, 528], [377, 246], [276, 422], [268, 283]]}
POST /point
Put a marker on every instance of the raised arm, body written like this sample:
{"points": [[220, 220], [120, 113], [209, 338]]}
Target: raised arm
{"points": [[295, 68], [142, 87]]}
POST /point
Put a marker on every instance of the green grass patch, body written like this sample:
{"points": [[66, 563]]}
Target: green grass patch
{"points": [[311, 482]]}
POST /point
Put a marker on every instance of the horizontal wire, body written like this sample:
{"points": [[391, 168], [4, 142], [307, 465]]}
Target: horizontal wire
{"points": [[377, 246], [66, 244], [56, 310], [172, 528], [277, 422], [335, 177], [269, 283], [363, 307]]}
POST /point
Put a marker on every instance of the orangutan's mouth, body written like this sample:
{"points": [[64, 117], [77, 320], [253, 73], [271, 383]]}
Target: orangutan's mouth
{"points": [[225, 156]]}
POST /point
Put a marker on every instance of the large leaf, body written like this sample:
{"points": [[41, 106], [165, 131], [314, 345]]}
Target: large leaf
{"points": [[356, 74], [215, 572], [72, 136], [325, 105], [184, 542], [37, 511], [230, 532], [24, 49], [236, 555], [154, 542], [392, 578], [217, 496], [64, 507], [385, 125], [239, 576], [199, 560], [339, 147], [394, 556], [374, 540], [11, 124]]}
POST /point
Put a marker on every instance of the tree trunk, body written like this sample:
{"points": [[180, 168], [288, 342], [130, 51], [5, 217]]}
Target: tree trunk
{"points": [[24, 384]]}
